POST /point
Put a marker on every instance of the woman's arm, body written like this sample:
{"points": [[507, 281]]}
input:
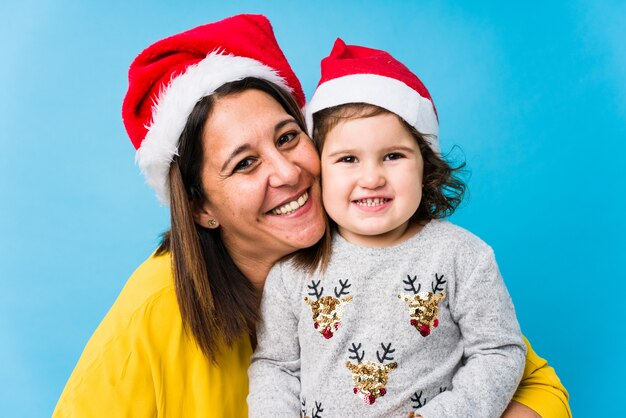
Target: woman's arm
{"points": [[540, 393], [517, 410]]}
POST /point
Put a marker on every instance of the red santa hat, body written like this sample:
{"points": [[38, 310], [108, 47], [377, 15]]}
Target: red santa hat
{"points": [[355, 74], [169, 77]]}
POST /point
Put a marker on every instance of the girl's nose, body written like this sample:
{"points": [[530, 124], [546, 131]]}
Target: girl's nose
{"points": [[285, 172], [371, 177]]}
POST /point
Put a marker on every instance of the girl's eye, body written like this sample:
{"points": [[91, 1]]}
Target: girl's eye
{"points": [[286, 138], [350, 159], [243, 164], [393, 156]]}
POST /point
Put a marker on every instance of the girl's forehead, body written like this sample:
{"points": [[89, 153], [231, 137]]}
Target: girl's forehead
{"points": [[374, 131]]}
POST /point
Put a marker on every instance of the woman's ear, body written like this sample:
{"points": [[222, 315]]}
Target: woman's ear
{"points": [[203, 216]]}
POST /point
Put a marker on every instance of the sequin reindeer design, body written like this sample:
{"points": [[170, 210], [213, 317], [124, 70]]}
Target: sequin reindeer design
{"points": [[424, 306], [316, 412], [418, 402], [370, 378], [327, 310]]}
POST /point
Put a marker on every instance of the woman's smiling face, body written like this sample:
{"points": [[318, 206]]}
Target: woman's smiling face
{"points": [[261, 179]]}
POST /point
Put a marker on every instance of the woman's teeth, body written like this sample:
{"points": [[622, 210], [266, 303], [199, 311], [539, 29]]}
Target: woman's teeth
{"points": [[371, 202], [291, 206]]}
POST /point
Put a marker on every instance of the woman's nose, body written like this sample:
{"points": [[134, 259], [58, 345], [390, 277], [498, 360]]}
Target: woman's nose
{"points": [[285, 172]]}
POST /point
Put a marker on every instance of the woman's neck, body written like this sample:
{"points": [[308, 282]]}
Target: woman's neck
{"points": [[255, 269]]}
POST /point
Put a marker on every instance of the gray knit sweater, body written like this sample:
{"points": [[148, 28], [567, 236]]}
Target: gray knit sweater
{"points": [[424, 327]]}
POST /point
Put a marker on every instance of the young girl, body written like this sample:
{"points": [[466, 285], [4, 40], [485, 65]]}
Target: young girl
{"points": [[409, 316]]}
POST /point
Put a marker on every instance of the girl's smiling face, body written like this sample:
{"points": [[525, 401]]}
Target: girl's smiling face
{"points": [[372, 172]]}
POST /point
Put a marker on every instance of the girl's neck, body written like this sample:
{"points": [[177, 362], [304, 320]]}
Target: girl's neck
{"points": [[388, 239]]}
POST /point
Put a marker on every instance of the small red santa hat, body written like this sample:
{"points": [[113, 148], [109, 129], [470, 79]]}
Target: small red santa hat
{"points": [[355, 74], [169, 77]]}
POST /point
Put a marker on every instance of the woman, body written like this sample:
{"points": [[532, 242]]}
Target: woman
{"points": [[224, 145]]}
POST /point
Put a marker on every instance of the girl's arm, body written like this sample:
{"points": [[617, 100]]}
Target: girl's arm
{"points": [[493, 348], [540, 391]]}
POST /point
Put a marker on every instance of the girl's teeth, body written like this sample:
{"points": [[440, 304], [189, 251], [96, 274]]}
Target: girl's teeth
{"points": [[291, 206], [372, 202]]}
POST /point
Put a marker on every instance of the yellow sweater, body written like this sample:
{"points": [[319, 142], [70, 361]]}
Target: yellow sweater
{"points": [[540, 388], [141, 363]]}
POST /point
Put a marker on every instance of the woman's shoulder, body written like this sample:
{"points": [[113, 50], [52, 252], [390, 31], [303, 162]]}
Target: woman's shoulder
{"points": [[142, 347], [148, 297], [153, 278]]}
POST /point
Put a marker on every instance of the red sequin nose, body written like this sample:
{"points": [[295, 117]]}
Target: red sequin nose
{"points": [[327, 333]]}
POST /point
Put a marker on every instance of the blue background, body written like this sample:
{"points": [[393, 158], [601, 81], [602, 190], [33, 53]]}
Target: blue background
{"points": [[534, 93]]}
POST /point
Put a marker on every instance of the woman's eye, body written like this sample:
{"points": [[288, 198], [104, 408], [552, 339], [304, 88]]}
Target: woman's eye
{"points": [[350, 159], [286, 138], [243, 164], [393, 156]]}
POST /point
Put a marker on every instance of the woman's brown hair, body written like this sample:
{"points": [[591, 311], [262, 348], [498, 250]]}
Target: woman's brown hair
{"points": [[218, 304]]}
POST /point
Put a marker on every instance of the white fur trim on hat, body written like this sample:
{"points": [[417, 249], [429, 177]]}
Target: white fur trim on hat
{"points": [[177, 100], [385, 92]]}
